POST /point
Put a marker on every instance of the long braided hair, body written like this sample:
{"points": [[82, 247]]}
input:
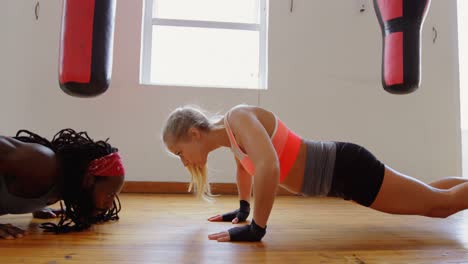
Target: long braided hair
{"points": [[75, 150]]}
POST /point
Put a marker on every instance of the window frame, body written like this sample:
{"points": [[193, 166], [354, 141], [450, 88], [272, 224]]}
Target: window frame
{"points": [[147, 36]]}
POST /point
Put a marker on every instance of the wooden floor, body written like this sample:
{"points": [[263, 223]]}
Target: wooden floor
{"points": [[173, 229]]}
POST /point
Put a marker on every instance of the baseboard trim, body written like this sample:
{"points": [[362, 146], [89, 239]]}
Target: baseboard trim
{"points": [[181, 188]]}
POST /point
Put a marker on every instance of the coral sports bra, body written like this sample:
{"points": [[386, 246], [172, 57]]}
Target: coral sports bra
{"points": [[286, 143]]}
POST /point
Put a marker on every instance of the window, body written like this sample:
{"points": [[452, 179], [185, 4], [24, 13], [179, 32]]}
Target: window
{"points": [[207, 43]]}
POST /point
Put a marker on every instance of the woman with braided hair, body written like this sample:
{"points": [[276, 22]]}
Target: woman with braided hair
{"points": [[86, 175]]}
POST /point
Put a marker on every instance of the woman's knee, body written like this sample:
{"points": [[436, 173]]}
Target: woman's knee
{"points": [[440, 213], [444, 204]]}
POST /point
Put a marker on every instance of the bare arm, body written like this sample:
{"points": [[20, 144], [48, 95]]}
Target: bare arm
{"points": [[244, 187], [254, 138], [252, 135], [244, 182]]}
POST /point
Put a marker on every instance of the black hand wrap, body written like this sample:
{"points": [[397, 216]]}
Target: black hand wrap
{"points": [[242, 213], [251, 232]]}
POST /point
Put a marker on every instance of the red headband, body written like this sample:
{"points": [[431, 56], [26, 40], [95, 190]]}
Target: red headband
{"points": [[110, 165]]}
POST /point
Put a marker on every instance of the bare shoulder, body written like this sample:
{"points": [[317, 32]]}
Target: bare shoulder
{"points": [[253, 133], [241, 115], [8, 142], [32, 168], [18, 156], [8, 146], [257, 112]]}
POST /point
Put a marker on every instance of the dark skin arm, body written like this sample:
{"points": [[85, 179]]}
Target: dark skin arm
{"points": [[32, 170]]}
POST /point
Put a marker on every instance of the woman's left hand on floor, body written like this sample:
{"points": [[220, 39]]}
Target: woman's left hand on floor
{"points": [[220, 237], [47, 213], [252, 233]]}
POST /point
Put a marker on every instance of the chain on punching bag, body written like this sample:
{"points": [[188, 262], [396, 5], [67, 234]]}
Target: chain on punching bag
{"points": [[86, 46], [401, 22]]}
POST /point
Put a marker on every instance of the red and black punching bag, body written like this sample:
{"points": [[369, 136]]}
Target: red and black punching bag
{"points": [[401, 22], [86, 46]]}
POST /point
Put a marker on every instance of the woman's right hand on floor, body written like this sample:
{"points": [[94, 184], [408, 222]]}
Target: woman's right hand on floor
{"points": [[8, 231], [236, 216]]}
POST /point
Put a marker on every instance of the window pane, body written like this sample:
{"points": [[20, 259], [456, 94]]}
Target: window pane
{"points": [[205, 57], [239, 11]]}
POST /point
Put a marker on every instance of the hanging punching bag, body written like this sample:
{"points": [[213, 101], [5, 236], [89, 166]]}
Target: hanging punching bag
{"points": [[401, 23], [86, 46]]}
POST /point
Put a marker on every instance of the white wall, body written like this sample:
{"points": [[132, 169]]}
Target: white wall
{"points": [[463, 55], [463, 43], [324, 63], [326, 58], [13, 101]]}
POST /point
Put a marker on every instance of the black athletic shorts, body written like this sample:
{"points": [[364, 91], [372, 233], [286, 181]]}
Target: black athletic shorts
{"points": [[357, 175]]}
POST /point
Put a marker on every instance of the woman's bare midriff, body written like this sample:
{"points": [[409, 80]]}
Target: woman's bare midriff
{"points": [[295, 177]]}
